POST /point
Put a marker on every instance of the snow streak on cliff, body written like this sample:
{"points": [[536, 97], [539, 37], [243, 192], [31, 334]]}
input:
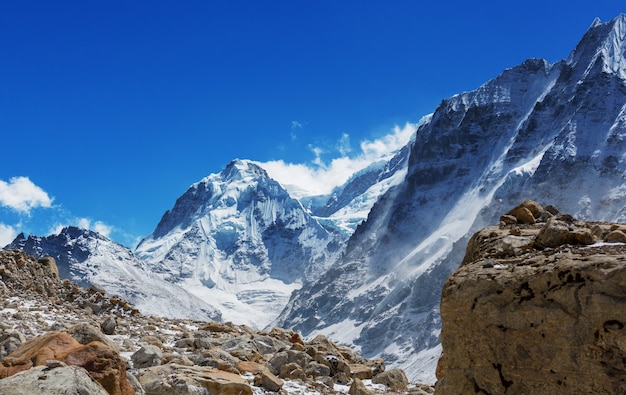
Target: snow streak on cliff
{"points": [[552, 133]]}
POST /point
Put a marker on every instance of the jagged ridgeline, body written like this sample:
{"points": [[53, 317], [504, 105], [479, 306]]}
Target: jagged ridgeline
{"points": [[552, 132]]}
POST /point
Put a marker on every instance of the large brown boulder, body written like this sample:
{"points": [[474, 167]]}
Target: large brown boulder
{"points": [[535, 320], [103, 364]]}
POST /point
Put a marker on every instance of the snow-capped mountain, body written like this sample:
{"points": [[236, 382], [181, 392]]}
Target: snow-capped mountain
{"points": [[554, 133], [349, 204], [239, 240], [87, 257]]}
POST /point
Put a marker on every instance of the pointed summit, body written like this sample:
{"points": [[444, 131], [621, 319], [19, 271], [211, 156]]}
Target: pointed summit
{"points": [[602, 48], [238, 169]]}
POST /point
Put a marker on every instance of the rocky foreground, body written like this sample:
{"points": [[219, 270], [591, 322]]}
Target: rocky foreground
{"points": [[58, 338], [538, 306]]}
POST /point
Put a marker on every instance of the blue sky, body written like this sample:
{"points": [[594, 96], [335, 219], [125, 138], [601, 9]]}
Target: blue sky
{"points": [[110, 110]]}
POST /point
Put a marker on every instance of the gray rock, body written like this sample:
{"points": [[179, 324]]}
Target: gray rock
{"points": [[317, 369], [108, 326], [85, 333], [41, 380], [8, 346], [147, 356]]}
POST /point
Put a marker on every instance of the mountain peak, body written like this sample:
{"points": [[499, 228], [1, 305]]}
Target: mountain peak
{"points": [[241, 168], [602, 48]]}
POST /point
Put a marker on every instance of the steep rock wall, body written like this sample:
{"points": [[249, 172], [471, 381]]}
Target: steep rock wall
{"points": [[522, 318]]}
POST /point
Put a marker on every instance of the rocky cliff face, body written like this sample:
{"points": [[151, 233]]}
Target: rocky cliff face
{"points": [[537, 307], [550, 132]]}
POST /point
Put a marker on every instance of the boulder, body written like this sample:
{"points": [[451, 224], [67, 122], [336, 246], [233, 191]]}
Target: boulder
{"points": [[172, 379], [85, 333], [50, 266], [394, 379], [263, 377], [360, 371], [147, 356], [560, 230], [543, 321], [358, 388], [103, 363], [292, 371], [616, 236], [42, 380], [527, 212], [108, 325], [315, 369]]}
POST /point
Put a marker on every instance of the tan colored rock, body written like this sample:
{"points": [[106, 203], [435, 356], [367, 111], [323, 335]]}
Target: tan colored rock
{"points": [[267, 380], [541, 322], [183, 380], [394, 379], [51, 265], [508, 220], [527, 212], [292, 371], [360, 371], [217, 327], [560, 230], [616, 236], [523, 216], [358, 388]]}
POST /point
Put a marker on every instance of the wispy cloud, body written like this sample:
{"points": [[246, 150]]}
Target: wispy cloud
{"points": [[295, 126], [7, 234], [22, 195], [84, 223], [320, 176], [343, 145]]}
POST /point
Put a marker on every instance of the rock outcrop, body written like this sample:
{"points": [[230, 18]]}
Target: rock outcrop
{"points": [[538, 306], [47, 328]]}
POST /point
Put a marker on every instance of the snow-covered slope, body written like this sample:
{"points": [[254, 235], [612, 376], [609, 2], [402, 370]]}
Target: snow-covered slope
{"points": [[349, 204], [553, 133], [238, 240], [86, 258]]}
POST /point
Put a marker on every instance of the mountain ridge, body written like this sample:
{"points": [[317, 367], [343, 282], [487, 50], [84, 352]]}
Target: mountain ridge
{"points": [[550, 132]]}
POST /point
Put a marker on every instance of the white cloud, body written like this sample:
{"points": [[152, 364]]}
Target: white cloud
{"points": [[7, 234], [22, 195], [343, 145], [319, 177], [102, 228], [85, 223]]}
